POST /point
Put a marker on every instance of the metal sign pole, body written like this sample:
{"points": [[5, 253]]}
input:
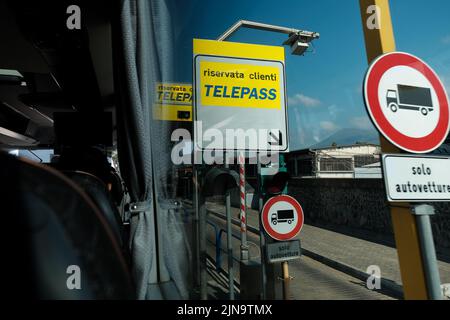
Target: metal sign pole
{"points": [[229, 240], [429, 260], [196, 226], [262, 239], [285, 264], [202, 248]]}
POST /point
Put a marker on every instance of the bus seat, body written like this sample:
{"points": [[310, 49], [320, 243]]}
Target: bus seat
{"points": [[55, 242], [97, 191]]}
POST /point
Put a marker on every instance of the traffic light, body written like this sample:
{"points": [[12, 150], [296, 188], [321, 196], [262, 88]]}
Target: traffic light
{"points": [[217, 181], [273, 184], [274, 178]]}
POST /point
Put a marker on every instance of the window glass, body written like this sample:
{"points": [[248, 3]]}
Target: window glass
{"points": [[334, 148], [40, 155]]}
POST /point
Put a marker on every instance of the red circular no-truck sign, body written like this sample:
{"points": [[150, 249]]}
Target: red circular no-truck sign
{"points": [[282, 217], [407, 102]]}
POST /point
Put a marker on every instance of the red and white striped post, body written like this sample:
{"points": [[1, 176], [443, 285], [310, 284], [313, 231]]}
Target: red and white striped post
{"points": [[243, 216]]}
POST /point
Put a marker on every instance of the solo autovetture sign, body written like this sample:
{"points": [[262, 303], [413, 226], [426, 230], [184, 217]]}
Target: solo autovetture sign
{"points": [[416, 178]]}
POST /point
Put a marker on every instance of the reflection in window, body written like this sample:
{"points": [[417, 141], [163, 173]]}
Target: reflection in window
{"points": [[41, 156]]}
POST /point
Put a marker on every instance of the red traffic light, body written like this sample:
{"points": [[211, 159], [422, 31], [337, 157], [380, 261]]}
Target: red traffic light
{"points": [[276, 183]]}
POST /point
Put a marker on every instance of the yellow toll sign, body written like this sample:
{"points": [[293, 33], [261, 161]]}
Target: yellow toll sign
{"points": [[242, 84], [173, 102], [239, 87]]}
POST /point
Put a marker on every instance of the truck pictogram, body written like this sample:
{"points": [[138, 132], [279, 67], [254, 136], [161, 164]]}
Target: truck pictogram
{"points": [[282, 216], [410, 98]]}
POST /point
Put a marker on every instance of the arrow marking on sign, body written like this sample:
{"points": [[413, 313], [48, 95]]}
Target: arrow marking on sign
{"points": [[278, 140]]}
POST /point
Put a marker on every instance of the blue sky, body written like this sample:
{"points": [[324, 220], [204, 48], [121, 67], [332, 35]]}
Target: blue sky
{"points": [[324, 87]]}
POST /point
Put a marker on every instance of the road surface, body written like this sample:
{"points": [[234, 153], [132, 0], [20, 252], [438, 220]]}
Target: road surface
{"points": [[312, 279]]}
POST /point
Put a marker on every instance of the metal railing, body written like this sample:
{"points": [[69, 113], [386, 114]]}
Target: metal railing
{"points": [[218, 244], [234, 221], [218, 236]]}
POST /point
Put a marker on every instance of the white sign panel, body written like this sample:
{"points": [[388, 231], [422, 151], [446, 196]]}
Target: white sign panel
{"points": [[416, 178], [283, 251], [239, 97]]}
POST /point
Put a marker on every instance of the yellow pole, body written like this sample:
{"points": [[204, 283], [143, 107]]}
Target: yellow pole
{"points": [[379, 38], [286, 280]]}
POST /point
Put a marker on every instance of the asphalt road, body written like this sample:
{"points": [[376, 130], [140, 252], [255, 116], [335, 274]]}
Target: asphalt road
{"points": [[316, 281], [312, 279]]}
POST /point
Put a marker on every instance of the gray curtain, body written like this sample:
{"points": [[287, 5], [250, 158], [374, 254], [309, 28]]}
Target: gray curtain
{"points": [[146, 47]]}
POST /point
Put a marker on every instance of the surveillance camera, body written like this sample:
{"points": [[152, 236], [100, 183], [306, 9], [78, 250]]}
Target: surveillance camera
{"points": [[299, 48]]}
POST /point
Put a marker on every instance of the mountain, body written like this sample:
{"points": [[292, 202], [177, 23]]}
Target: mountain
{"points": [[349, 136]]}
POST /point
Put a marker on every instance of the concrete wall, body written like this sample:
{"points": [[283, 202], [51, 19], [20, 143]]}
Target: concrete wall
{"points": [[357, 203]]}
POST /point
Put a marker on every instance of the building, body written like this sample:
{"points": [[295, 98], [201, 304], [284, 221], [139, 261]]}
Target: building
{"points": [[370, 171], [353, 161]]}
